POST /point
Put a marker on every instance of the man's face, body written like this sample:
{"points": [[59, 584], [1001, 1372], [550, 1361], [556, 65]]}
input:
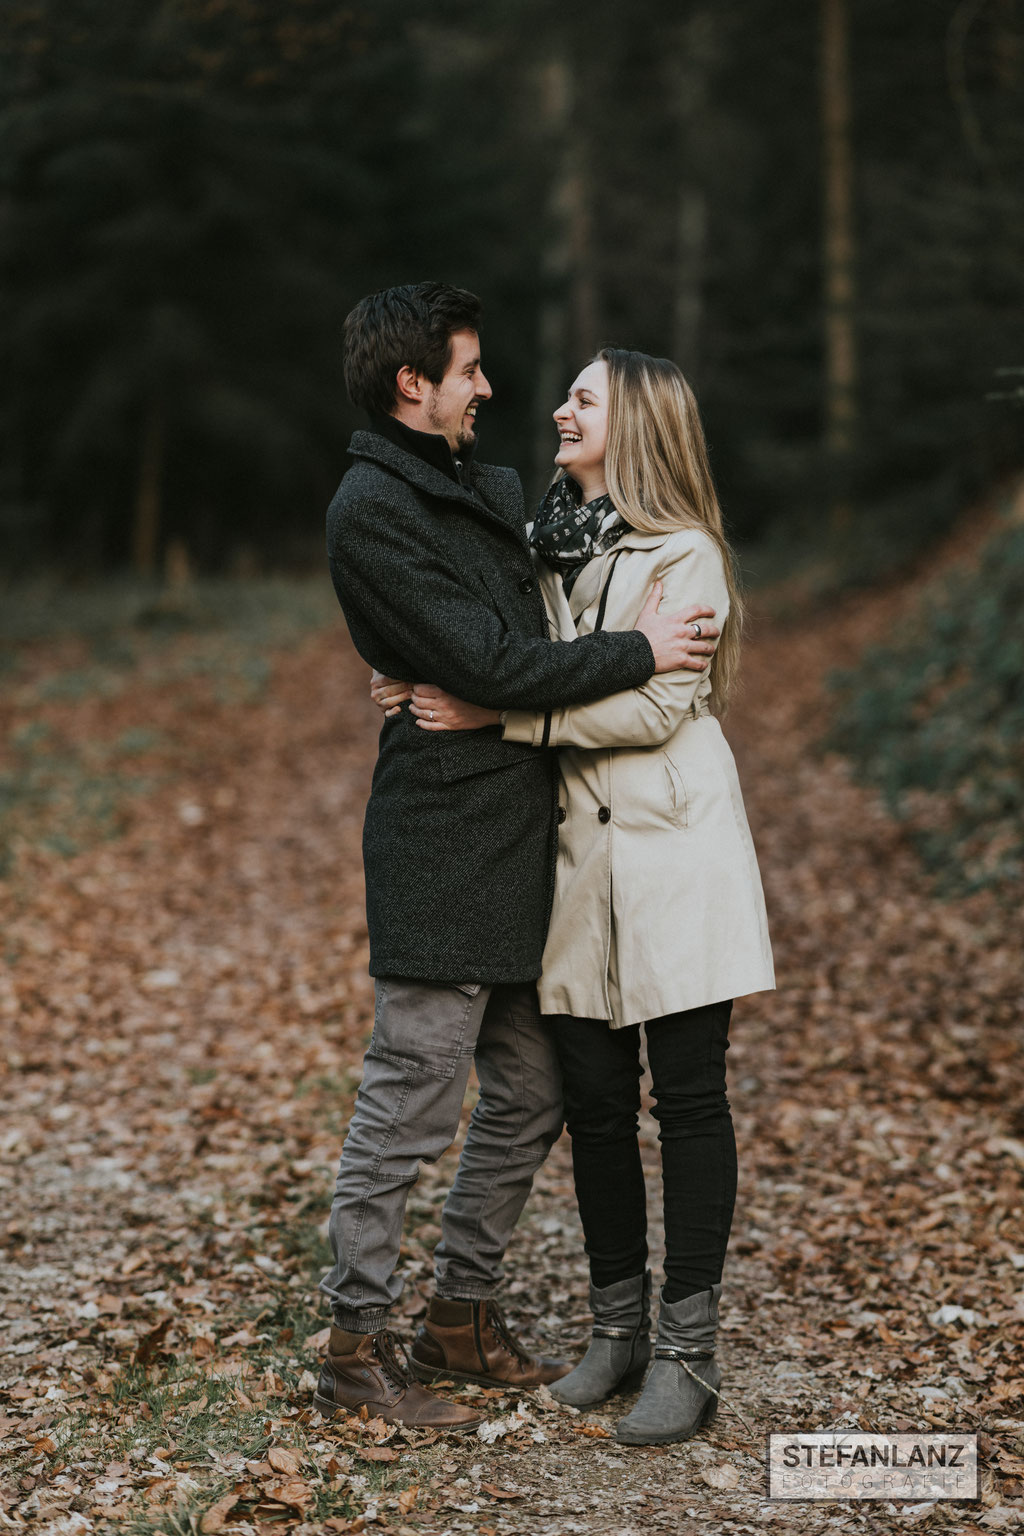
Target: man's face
{"points": [[451, 405]]}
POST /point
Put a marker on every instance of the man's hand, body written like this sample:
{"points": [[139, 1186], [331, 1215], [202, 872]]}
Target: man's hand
{"points": [[677, 639], [389, 692]]}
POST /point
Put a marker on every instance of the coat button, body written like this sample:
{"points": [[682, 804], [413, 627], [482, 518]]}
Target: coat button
{"points": [[604, 814], [526, 585], [561, 815]]}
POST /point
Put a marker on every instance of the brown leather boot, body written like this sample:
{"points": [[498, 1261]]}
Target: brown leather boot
{"points": [[375, 1372], [471, 1341]]}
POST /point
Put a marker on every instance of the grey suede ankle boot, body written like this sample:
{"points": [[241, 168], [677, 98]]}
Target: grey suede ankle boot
{"points": [[620, 1345], [673, 1405]]}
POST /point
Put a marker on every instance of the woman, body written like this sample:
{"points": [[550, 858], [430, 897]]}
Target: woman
{"points": [[658, 916]]}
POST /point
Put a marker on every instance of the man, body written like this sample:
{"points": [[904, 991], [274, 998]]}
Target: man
{"points": [[430, 560]]}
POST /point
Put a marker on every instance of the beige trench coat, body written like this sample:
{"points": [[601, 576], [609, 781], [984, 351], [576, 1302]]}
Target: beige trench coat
{"points": [[658, 903]]}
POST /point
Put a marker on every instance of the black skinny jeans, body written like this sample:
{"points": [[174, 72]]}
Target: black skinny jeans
{"points": [[601, 1074]]}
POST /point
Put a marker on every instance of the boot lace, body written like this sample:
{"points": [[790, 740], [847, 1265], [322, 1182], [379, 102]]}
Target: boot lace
{"points": [[390, 1352], [503, 1333]]}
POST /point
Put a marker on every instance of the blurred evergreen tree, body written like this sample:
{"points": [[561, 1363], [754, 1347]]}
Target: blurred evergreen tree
{"points": [[183, 222], [941, 151], [196, 192]]}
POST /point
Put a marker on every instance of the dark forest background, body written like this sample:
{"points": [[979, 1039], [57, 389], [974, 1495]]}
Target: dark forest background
{"points": [[816, 209]]}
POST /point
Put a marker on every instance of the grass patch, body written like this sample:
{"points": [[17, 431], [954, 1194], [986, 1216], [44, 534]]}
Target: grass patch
{"points": [[201, 1075], [61, 795], [117, 616], [305, 1241], [79, 662], [160, 1440]]}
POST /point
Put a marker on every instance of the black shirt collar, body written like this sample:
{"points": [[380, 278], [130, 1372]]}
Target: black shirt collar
{"points": [[431, 447]]}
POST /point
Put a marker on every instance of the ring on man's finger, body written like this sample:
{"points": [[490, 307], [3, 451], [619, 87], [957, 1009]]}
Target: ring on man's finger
{"points": [[431, 714], [697, 631]]}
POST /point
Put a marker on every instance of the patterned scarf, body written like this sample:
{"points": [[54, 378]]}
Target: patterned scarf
{"points": [[568, 532]]}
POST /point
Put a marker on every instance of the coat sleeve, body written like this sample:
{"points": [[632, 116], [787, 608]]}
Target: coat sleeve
{"points": [[395, 574], [692, 572]]}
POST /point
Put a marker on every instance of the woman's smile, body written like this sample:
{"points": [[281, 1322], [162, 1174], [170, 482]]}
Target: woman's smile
{"points": [[582, 424]]}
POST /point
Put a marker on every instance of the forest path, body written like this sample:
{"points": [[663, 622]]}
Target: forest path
{"points": [[184, 1010]]}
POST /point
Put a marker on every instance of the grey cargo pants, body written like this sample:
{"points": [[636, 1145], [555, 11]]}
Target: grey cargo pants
{"points": [[407, 1111]]}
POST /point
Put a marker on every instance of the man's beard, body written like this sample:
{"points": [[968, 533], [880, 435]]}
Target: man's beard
{"points": [[435, 420]]}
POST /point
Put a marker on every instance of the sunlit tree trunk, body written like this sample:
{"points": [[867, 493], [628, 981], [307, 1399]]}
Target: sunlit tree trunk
{"points": [[839, 257], [148, 497]]}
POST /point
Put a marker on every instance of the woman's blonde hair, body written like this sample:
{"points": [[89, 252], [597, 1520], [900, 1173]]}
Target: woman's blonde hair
{"points": [[659, 477]]}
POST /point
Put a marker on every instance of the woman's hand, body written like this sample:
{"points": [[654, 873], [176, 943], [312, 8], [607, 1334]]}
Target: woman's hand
{"points": [[436, 710], [389, 692]]}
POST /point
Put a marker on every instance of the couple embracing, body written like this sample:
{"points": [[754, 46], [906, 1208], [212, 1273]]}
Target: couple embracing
{"points": [[556, 854]]}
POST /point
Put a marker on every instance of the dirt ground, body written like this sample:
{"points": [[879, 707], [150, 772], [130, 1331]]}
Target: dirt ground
{"points": [[184, 1003]]}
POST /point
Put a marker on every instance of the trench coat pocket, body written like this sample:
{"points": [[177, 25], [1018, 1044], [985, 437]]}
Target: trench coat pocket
{"points": [[461, 754], [678, 807]]}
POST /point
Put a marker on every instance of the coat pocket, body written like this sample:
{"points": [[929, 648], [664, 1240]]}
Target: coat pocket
{"points": [[678, 807], [504, 603], [461, 754]]}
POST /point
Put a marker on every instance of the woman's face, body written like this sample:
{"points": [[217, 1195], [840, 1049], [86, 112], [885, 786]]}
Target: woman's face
{"points": [[582, 424]]}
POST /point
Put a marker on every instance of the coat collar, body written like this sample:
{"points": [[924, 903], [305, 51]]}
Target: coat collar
{"points": [[590, 582], [634, 539], [495, 491], [431, 447]]}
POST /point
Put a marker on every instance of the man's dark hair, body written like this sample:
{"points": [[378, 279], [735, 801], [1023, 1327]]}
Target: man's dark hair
{"points": [[407, 326]]}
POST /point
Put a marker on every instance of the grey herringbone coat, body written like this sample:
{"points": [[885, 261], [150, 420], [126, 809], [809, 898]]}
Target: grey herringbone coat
{"points": [[459, 842]]}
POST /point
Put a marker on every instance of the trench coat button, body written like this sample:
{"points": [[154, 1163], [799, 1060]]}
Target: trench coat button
{"points": [[604, 814], [526, 585], [561, 815]]}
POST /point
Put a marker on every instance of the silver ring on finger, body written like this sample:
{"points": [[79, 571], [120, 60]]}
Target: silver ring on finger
{"points": [[697, 631], [431, 714]]}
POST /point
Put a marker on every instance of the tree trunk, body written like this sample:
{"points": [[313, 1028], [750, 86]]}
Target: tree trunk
{"points": [[687, 309], [584, 328], [690, 72], [148, 498], [568, 320], [554, 270], [839, 255], [1009, 44]]}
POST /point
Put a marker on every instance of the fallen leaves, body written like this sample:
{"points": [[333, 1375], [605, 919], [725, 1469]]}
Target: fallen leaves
{"points": [[874, 1253], [407, 1499], [283, 1461], [294, 1493], [151, 1343], [216, 1517], [501, 1493], [721, 1477]]}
